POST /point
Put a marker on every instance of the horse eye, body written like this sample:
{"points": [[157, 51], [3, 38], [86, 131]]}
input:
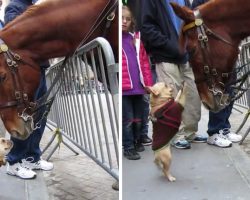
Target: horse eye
{"points": [[2, 77]]}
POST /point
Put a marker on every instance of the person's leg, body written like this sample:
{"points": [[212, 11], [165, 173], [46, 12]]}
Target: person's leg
{"points": [[29, 148], [192, 113], [34, 150], [33, 156], [216, 124], [138, 110], [19, 150], [145, 140], [230, 135], [16, 157], [170, 74], [127, 128]]}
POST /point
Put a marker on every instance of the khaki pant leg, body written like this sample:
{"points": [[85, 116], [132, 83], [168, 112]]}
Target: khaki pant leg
{"points": [[192, 111], [175, 74]]}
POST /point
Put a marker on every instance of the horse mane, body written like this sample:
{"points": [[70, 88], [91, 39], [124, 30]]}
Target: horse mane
{"points": [[30, 11]]}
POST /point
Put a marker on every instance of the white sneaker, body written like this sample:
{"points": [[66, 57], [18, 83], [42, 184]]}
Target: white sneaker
{"points": [[18, 170], [219, 140], [233, 137], [41, 164]]}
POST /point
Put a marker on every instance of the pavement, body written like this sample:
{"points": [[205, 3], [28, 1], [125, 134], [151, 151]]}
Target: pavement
{"points": [[74, 177], [204, 172]]}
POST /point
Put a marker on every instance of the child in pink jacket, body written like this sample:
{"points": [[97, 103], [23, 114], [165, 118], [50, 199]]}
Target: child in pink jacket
{"points": [[136, 74]]}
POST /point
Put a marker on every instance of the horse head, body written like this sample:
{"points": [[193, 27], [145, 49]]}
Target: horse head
{"points": [[212, 54], [17, 93], [45, 31]]}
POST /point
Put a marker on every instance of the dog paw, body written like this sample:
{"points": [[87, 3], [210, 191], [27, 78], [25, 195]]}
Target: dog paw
{"points": [[171, 178]]}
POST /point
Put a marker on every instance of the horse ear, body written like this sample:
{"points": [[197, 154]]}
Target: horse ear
{"points": [[183, 12]]}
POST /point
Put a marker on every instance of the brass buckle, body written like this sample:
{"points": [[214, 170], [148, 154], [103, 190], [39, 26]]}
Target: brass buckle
{"points": [[4, 48], [198, 22]]}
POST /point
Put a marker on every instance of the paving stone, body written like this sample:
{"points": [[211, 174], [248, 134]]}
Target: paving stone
{"points": [[76, 177]]}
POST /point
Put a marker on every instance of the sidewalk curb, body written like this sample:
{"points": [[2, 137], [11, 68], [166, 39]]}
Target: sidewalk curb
{"points": [[36, 190]]}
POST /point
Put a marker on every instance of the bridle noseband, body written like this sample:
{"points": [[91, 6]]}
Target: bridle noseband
{"points": [[210, 72]]}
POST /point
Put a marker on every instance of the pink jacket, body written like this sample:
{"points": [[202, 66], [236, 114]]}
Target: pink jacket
{"points": [[143, 62]]}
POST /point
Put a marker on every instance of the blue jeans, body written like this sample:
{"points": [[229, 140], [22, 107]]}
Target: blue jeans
{"points": [[132, 115], [220, 120], [30, 147], [144, 126]]}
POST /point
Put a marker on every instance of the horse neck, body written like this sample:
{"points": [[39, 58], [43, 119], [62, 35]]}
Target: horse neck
{"points": [[54, 29], [232, 15]]}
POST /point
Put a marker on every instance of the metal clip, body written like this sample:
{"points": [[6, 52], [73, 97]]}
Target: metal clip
{"points": [[111, 16], [224, 75], [25, 97], [205, 38], [9, 62], [18, 95], [200, 37], [206, 69], [214, 72], [32, 105], [16, 56]]}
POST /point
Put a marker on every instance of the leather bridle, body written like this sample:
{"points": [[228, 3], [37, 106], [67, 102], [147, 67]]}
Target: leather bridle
{"points": [[36, 111], [211, 74], [21, 100]]}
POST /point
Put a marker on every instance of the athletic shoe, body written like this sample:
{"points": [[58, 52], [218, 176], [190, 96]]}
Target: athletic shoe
{"points": [[219, 140], [182, 144], [18, 170], [139, 147], [199, 139], [131, 154], [145, 140], [39, 165], [233, 137]]}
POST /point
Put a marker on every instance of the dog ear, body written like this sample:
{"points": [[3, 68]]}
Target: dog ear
{"points": [[152, 91]]}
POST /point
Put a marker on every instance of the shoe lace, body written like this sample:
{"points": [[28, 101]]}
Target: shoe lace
{"points": [[222, 135], [27, 162]]}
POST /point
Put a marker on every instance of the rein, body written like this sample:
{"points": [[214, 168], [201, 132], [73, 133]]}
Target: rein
{"points": [[210, 72]]}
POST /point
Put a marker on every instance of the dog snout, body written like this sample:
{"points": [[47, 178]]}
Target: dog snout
{"points": [[9, 143]]}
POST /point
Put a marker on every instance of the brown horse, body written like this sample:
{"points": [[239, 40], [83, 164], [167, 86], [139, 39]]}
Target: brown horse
{"points": [[54, 28], [211, 34]]}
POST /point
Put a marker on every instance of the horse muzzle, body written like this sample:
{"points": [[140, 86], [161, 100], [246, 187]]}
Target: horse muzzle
{"points": [[18, 135], [23, 131], [216, 103]]}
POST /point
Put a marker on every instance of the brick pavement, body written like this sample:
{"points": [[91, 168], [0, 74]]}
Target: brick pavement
{"points": [[76, 177]]}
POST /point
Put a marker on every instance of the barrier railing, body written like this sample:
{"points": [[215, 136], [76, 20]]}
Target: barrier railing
{"points": [[244, 59], [244, 101], [85, 110]]}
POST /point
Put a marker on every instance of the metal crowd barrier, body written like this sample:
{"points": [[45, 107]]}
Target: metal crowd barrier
{"points": [[85, 110], [244, 101]]}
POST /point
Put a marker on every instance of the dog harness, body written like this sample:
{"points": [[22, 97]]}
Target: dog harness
{"points": [[166, 124]]}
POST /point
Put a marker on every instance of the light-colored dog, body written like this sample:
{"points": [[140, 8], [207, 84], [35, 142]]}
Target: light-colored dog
{"points": [[165, 113], [5, 147]]}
